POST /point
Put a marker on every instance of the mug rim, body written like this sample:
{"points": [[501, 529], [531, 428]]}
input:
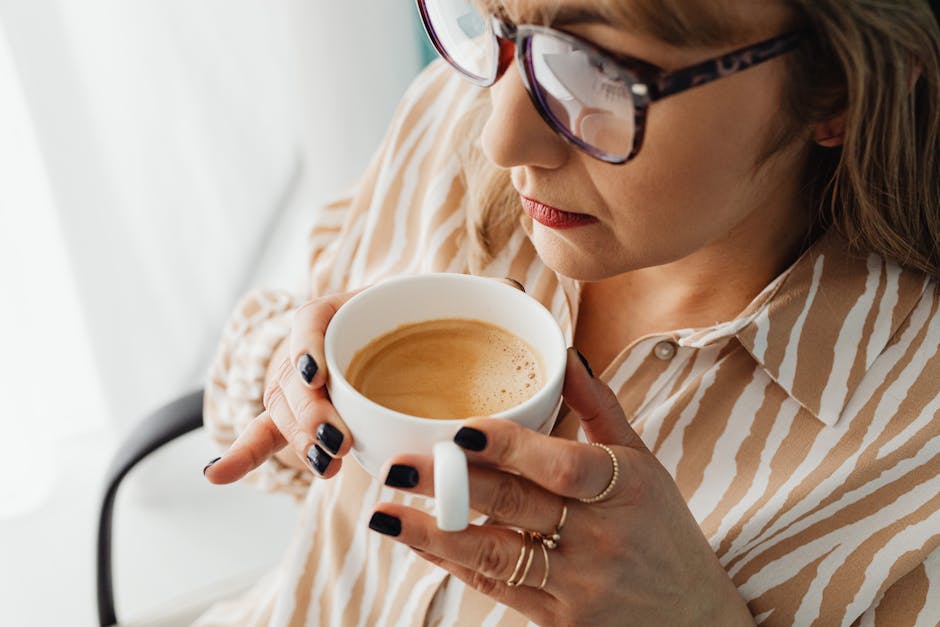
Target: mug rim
{"points": [[552, 379]]}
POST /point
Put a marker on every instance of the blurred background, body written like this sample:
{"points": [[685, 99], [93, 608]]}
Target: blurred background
{"points": [[157, 159]]}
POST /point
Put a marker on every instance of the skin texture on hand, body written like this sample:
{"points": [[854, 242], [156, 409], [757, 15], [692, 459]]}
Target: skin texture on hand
{"points": [[286, 456]]}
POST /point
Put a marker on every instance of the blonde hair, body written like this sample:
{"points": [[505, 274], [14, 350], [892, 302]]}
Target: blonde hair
{"points": [[876, 61]]}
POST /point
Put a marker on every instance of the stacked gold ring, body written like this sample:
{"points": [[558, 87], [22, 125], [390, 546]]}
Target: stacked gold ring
{"points": [[525, 557], [551, 541], [530, 540]]}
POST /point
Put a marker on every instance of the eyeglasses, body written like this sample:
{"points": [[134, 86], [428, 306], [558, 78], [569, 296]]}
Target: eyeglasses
{"points": [[595, 99]]}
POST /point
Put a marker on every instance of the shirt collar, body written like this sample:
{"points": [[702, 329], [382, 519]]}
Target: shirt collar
{"points": [[817, 328]]}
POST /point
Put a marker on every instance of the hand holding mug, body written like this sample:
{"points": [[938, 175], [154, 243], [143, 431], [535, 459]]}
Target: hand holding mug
{"points": [[588, 533], [298, 415]]}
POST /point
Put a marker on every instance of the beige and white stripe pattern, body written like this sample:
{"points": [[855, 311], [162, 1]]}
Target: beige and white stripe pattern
{"points": [[804, 434]]}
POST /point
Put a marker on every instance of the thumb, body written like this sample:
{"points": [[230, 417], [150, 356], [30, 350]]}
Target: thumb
{"points": [[597, 406]]}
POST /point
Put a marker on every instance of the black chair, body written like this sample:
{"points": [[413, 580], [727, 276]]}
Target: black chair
{"points": [[174, 419]]}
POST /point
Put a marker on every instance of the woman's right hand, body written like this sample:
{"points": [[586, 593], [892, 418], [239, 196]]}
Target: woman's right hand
{"points": [[299, 422]]}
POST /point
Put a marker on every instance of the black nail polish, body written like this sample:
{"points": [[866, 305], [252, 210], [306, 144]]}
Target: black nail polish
{"points": [[330, 437], [385, 524], [470, 439], [584, 361], [307, 368], [209, 465], [516, 283], [319, 459], [401, 476]]}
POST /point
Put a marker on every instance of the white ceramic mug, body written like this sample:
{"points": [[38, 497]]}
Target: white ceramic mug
{"points": [[380, 433]]}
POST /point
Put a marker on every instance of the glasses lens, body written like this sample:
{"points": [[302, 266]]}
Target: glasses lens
{"points": [[465, 33], [595, 108]]}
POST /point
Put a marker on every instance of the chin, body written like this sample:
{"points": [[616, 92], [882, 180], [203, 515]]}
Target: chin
{"points": [[580, 263]]}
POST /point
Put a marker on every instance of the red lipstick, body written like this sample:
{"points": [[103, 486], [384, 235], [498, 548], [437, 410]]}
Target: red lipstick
{"points": [[554, 218]]}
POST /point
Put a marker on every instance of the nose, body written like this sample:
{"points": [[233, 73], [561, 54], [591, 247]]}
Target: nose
{"points": [[515, 134]]}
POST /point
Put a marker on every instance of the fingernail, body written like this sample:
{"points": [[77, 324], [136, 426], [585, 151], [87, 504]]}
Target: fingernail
{"points": [[516, 283], [385, 524], [330, 437], [209, 465], [401, 476], [307, 368], [470, 439], [319, 459], [584, 361]]}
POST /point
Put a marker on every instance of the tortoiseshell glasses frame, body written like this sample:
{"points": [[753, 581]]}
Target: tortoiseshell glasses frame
{"points": [[644, 82]]}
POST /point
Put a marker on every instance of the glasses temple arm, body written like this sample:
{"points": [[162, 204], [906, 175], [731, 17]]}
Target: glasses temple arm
{"points": [[731, 63]]}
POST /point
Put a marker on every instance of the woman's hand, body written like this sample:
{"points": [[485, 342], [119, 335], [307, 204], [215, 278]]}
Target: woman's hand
{"points": [[637, 556], [298, 415], [299, 422]]}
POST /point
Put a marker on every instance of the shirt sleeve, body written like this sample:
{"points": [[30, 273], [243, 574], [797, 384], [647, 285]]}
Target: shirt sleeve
{"points": [[262, 318], [911, 601]]}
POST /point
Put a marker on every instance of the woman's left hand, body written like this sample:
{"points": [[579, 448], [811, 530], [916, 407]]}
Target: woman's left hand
{"points": [[635, 557]]}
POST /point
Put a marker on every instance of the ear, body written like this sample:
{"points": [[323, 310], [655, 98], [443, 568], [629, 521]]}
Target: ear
{"points": [[830, 133]]}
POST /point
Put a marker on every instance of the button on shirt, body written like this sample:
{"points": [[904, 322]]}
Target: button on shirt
{"points": [[664, 350], [803, 434]]}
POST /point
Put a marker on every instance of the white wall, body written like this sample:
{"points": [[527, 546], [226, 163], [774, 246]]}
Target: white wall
{"points": [[174, 132], [176, 151]]}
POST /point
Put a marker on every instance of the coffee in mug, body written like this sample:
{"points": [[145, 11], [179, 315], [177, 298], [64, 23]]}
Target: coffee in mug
{"points": [[447, 369]]}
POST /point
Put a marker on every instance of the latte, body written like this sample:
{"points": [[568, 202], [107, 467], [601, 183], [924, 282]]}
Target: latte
{"points": [[447, 369]]}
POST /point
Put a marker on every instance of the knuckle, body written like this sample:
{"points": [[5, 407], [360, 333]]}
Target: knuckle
{"points": [[313, 310], [306, 409], [508, 499], [570, 473], [489, 560], [285, 371], [482, 583], [418, 536], [272, 394], [294, 436], [503, 440], [308, 308]]}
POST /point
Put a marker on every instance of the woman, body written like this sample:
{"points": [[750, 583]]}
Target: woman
{"points": [[732, 210]]}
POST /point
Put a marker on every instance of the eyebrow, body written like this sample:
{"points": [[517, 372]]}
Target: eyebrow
{"points": [[665, 27], [560, 16]]}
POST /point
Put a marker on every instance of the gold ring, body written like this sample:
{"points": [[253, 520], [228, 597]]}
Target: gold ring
{"points": [[525, 556], [613, 479], [528, 564], [512, 582], [545, 576], [551, 542]]}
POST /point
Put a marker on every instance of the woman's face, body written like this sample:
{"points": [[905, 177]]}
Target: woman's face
{"points": [[693, 189]]}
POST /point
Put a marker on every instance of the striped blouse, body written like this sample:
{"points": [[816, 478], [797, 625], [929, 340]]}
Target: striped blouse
{"points": [[804, 434]]}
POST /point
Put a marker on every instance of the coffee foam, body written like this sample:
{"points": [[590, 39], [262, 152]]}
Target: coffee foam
{"points": [[447, 369]]}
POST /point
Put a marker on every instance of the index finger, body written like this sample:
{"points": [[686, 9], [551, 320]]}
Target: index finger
{"points": [[306, 338], [565, 467], [257, 443]]}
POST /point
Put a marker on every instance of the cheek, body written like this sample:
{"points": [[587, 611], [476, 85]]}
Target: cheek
{"points": [[693, 178]]}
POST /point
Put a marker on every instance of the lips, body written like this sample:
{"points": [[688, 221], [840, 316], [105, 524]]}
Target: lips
{"points": [[553, 218]]}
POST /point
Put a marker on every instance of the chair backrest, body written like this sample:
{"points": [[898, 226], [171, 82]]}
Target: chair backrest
{"points": [[159, 428]]}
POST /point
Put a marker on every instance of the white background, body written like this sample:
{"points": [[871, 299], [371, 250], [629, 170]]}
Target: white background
{"points": [[158, 157]]}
